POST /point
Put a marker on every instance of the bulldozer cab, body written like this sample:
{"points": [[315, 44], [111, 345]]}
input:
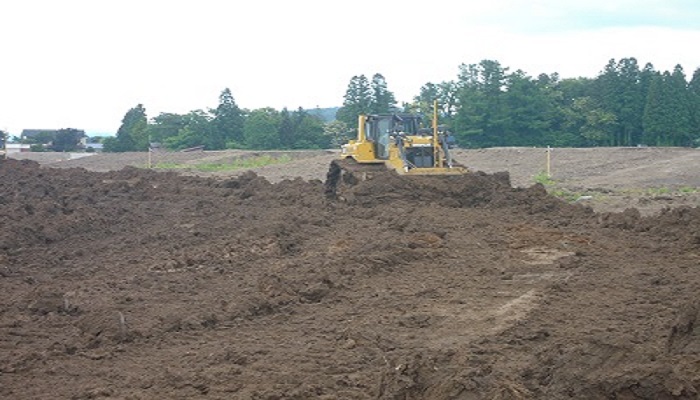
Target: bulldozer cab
{"points": [[381, 128]]}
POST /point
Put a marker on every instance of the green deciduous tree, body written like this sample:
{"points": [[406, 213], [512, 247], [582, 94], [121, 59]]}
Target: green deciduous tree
{"points": [[301, 130], [308, 131], [41, 138], [337, 133], [195, 131], [67, 140], [444, 93], [261, 129], [166, 125], [588, 122], [132, 134]]}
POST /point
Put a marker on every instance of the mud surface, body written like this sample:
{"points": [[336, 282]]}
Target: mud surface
{"points": [[609, 179], [135, 284]]}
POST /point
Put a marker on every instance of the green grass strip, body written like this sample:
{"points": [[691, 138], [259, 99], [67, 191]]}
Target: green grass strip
{"points": [[243, 163]]}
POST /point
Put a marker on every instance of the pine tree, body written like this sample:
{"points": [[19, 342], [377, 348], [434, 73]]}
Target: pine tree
{"points": [[694, 101], [528, 109], [286, 130], [382, 100], [228, 123], [357, 100], [482, 117], [656, 113], [619, 90], [631, 101], [680, 108], [668, 119]]}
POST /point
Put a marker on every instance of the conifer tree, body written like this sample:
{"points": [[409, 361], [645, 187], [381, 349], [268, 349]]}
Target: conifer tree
{"points": [[357, 100], [382, 100], [694, 102], [227, 123]]}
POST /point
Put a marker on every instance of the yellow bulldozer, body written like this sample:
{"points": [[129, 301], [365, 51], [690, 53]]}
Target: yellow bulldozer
{"points": [[397, 142]]}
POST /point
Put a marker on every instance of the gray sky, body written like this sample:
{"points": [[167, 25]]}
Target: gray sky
{"points": [[84, 64]]}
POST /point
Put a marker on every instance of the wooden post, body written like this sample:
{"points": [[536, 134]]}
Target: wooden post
{"points": [[5, 135], [437, 161], [150, 150], [549, 162]]}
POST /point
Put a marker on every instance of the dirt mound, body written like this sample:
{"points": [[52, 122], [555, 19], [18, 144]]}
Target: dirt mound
{"points": [[136, 284], [371, 187]]}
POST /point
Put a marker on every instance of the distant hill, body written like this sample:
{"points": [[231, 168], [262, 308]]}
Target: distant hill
{"points": [[325, 114]]}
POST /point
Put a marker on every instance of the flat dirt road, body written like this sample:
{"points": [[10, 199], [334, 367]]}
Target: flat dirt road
{"points": [[128, 283]]}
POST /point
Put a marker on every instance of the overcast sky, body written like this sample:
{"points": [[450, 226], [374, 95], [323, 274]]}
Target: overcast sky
{"points": [[84, 64]]}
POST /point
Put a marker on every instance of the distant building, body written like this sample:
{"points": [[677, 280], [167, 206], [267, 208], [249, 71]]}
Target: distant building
{"points": [[96, 147], [17, 148]]}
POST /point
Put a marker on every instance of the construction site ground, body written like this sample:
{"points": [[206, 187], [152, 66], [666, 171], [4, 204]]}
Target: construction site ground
{"points": [[122, 282]]}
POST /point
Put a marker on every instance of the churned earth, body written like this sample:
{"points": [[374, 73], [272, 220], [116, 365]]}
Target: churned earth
{"points": [[137, 284]]}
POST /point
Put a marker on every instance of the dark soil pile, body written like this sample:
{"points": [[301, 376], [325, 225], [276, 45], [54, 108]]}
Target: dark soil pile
{"points": [[142, 285]]}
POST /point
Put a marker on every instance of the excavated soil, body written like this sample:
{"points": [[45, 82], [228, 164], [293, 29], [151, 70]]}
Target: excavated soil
{"points": [[135, 284]]}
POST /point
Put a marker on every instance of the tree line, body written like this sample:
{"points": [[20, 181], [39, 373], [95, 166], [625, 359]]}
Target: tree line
{"points": [[486, 105], [625, 105], [225, 127]]}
